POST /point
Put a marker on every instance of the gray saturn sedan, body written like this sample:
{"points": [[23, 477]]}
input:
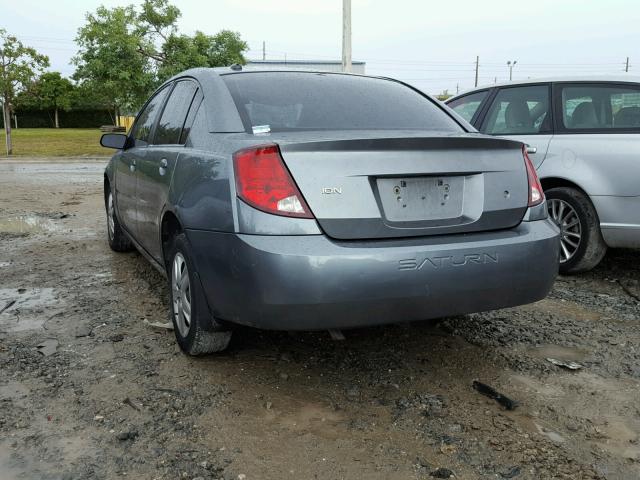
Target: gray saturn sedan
{"points": [[306, 201], [583, 136]]}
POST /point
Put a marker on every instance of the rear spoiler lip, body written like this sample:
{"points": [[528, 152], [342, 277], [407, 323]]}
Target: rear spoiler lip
{"points": [[462, 142]]}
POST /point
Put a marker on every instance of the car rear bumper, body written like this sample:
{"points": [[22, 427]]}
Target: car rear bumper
{"points": [[312, 282]]}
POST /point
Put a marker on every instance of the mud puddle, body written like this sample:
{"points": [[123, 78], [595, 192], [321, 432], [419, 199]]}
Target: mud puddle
{"points": [[9, 467], [29, 224], [559, 352], [26, 308], [583, 409]]}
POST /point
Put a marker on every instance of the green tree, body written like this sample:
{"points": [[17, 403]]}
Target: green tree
{"points": [[173, 52], [124, 52], [109, 62], [180, 52], [444, 95], [52, 92], [18, 66], [84, 97]]}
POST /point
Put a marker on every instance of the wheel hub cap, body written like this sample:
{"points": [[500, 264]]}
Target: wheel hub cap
{"points": [[181, 294], [567, 219], [110, 216]]}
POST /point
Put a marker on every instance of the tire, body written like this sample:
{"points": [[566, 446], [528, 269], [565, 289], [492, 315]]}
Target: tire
{"points": [[200, 333], [570, 205], [118, 240]]}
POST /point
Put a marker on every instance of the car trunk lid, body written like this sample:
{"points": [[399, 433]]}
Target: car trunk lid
{"points": [[390, 186]]}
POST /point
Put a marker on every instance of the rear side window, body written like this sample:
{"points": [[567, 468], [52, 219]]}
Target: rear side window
{"points": [[147, 118], [519, 111], [600, 107], [468, 105], [169, 130], [188, 123], [290, 101]]}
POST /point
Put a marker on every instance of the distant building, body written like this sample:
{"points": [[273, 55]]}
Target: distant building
{"points": [[320, 65]]}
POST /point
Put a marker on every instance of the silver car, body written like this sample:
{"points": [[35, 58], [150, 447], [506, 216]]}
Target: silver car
{"points": [[583, 136]]}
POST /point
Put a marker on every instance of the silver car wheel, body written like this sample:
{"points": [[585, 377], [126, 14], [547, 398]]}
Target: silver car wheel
{"points": [[111, 223], [564, 215], [181, 294]]}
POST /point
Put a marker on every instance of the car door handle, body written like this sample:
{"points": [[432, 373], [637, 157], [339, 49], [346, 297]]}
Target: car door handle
{"points": [[163, 166], [531, 149]]}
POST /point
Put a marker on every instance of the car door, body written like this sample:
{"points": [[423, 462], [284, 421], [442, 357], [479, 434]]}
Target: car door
{"points": [[522, 113], [597, 146], [126, 164], [155, 167]]}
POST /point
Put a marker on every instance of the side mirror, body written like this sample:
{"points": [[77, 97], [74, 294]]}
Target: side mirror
{"points": [[114, 140]]}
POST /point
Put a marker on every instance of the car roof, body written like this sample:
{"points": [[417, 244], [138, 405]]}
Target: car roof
{"points": [[568, 78], [202, 73], [276, 68]]}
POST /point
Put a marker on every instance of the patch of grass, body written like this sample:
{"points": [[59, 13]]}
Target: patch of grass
{"points": [[55, 142]]}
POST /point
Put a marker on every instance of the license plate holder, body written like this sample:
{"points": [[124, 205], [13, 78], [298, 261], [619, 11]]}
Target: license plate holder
{"points": [[413, 199]]}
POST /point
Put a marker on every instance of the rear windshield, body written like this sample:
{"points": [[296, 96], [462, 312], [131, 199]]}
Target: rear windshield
{"points": [[291, 101]]}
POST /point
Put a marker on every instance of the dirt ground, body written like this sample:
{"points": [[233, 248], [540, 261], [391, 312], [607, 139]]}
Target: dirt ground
{"points": [[88, 390]]}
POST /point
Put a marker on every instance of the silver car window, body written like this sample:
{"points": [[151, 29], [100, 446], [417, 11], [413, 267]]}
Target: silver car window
{"points": [[600, 107], [468, 105], [519, 111], [141, 130]]}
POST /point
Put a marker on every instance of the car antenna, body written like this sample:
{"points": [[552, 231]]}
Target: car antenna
{"points": [[236, 67]]}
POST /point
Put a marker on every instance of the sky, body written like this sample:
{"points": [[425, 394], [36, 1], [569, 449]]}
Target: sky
{"points": [[432, 45]]}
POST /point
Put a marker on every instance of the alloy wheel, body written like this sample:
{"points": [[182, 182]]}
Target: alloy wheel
{"points": [[565, 216], [181, 294], [111, 223]]}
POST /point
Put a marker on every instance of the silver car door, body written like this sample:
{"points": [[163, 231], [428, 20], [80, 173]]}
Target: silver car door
{"points": [[522, 113], [598, 148]]}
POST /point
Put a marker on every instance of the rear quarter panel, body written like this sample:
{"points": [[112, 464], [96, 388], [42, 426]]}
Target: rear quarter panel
{"points": [[607, 168], [200, 193], [601, 164]]}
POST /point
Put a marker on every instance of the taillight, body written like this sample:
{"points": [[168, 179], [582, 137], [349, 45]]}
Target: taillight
{"points": [[263, 182], [536, 195]]}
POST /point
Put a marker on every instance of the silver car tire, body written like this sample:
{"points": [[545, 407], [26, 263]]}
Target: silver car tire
{"points": [[582, 246]]}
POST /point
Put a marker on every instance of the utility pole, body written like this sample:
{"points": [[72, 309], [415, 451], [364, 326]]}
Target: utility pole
{"points": [[346, 35], [6, 120], [626, 68], [457, 88], [264, 51], [511, 64], [477, 68]]}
